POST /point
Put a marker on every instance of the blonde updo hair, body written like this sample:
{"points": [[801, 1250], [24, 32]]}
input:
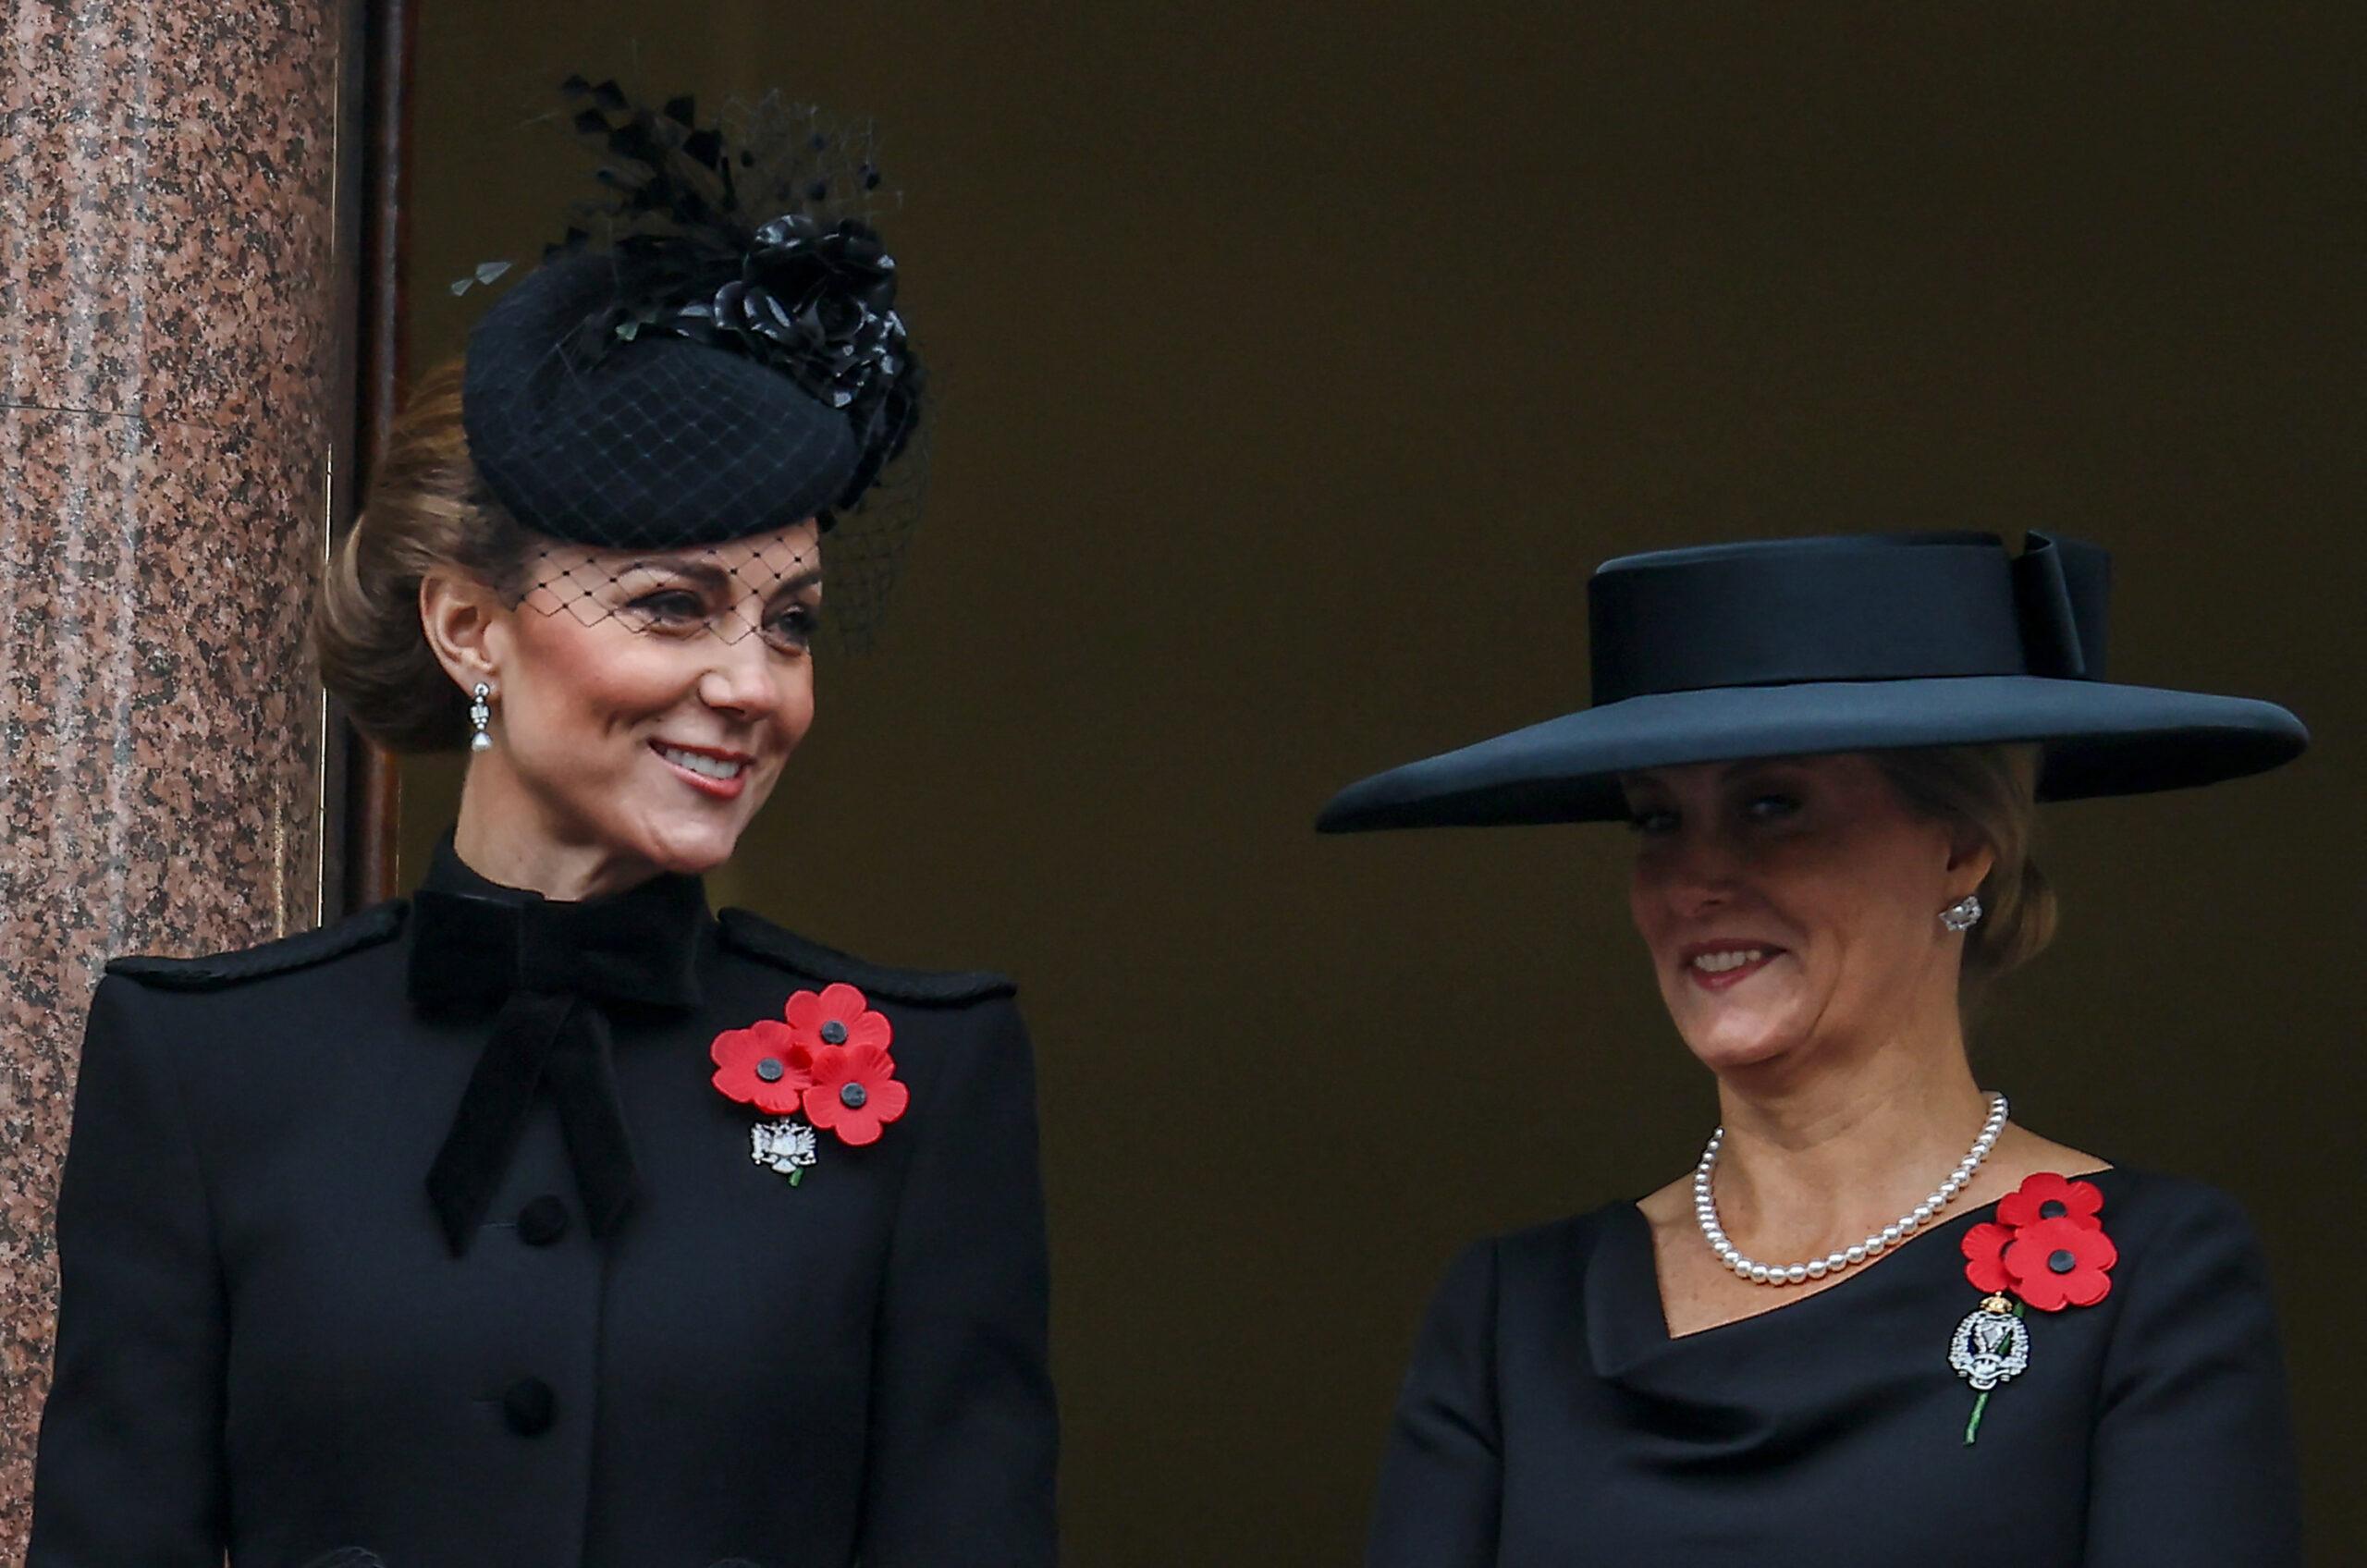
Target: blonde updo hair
{"points": [[428, 508], [1992, 794]]}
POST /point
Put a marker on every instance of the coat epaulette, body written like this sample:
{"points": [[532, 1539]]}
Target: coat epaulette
{"points": [[760, 938], [372, 926]]}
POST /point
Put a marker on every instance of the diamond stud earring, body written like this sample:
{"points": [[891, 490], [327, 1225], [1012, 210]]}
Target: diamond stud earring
{"points": [[480, 718], [1962, 915]]}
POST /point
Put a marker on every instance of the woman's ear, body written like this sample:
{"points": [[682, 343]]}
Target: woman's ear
{"points": [[1971, 860], [465, 624]]}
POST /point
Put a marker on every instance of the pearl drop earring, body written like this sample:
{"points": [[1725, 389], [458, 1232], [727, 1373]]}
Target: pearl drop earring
{"points": [[481, 717]]}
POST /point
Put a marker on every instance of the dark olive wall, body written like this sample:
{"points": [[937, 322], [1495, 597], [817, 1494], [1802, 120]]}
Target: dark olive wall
{"points": [[1298, 360]]}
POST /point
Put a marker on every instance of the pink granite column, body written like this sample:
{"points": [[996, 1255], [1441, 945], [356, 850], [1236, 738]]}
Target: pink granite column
{"points": [[170, 338]]}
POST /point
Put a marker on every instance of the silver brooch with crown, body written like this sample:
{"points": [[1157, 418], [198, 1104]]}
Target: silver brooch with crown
{"points": [[1990, 1345]]}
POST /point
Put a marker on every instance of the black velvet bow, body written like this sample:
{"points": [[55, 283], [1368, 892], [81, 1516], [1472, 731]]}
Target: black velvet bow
{"points": [[545, 971]]}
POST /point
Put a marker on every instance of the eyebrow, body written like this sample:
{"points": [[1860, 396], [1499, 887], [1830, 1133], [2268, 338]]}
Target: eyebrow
{"points": [[717, 578]]}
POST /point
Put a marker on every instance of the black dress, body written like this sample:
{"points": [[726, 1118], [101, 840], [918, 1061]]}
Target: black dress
{"points": [[273, 1343], [1549, 1422]]}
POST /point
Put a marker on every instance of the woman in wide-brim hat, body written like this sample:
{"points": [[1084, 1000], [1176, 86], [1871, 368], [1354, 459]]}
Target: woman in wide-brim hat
{"points": [[1881, 1322], [545, 1219]]}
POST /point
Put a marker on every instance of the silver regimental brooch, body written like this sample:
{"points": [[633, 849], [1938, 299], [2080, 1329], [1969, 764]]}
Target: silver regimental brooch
{"points": [[1990, 1344]]}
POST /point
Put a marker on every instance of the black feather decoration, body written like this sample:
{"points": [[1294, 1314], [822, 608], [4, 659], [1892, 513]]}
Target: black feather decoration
{"points": [[727, 238]]}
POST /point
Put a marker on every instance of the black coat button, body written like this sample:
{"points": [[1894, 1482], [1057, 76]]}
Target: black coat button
{"points": [[542, 1221], [528, 1406]]}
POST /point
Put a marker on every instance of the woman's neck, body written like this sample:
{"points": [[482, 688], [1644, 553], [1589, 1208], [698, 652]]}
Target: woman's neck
{"points": [[1845, 1148], [502, 837]]}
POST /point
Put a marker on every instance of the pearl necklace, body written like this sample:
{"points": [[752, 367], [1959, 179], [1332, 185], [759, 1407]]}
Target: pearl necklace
{"points": [[1705, 1210]]}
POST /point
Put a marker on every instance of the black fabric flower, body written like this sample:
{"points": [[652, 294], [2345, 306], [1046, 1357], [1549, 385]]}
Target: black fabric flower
{"points": [[817, 304]]}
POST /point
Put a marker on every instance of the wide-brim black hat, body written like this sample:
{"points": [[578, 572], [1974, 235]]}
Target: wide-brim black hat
{"points": [[1798, 646]]}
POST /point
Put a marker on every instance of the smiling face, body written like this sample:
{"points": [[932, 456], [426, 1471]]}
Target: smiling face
{"points": [[645, 701], [1791, 904]]}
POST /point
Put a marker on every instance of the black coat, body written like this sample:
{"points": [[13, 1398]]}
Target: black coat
{"points": [[267, 1345], [1549, 1421]]}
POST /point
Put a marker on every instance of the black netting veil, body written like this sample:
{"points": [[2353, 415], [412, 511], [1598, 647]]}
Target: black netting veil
{"points": [[708, 358]]}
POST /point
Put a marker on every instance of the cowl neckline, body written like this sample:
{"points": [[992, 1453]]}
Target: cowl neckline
{"points": [[1627, 1337]]}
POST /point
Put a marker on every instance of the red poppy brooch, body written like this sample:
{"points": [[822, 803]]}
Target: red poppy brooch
{"points": [[824, 1067], [2046, 1249]]}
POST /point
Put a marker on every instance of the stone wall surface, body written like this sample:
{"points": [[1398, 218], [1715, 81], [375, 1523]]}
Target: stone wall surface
{"points": [[168, 345]]}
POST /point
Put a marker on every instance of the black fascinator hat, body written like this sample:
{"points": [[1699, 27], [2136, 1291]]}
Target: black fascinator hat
{"points": [[1794, 647], [713, 352]]}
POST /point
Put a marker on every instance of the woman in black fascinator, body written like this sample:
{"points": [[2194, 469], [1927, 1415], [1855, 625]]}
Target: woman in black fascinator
{"points": [[545, 1219], [1879, 1321]]}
